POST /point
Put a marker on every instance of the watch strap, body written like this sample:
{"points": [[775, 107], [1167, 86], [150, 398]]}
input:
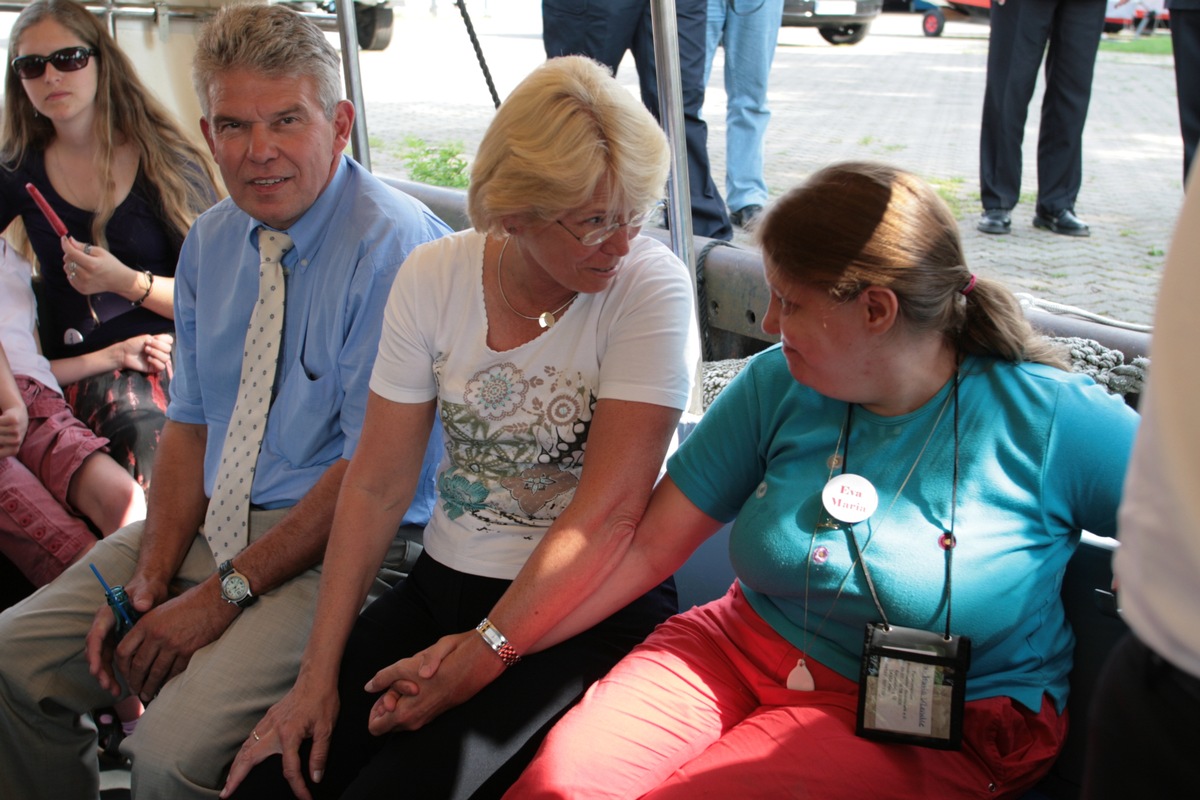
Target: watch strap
{"points": [[496, 640]]}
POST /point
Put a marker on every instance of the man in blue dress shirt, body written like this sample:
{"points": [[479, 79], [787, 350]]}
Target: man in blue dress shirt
{"points": [[213, 662]]}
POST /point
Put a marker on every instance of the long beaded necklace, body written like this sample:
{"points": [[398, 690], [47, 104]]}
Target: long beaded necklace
{"points": [[800, 679], [547, 318]]}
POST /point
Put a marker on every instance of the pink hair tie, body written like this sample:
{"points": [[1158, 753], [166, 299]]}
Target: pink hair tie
{"points": [[966, 290]]}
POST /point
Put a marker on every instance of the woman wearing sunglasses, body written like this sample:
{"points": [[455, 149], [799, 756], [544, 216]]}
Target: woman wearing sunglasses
{"points": [[126, 183]]}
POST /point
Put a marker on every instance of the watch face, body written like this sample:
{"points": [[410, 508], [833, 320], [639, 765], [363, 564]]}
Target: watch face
{"points": [[234, 586]]}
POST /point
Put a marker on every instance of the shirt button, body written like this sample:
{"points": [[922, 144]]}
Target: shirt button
{"points": [[761, 491]]}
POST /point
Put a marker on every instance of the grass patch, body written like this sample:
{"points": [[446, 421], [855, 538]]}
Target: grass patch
{"points": [[1156, 45], [951, 191], [436, 164]]}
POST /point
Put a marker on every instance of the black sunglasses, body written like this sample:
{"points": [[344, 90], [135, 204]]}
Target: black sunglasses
{"points": [[69, 59]]}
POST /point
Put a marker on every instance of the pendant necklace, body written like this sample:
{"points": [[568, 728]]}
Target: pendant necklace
{"points": [[800, 679], [547, 318]]}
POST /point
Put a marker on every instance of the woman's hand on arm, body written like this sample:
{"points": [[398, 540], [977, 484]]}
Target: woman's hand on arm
{"points": [[97, 270], [418, 689], [671, 530]]}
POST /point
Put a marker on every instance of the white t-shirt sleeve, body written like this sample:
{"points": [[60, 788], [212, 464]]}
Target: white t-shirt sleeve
{"points": [[648, 335]]}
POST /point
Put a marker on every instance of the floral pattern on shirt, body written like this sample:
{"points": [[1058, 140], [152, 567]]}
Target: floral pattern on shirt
{"points": [[516, 444]]}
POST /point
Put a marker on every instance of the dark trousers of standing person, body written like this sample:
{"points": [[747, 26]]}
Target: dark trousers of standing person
{"points": [[476, 750], [1068, 33], [604, 31], [1142, 731], [1185, 41]]}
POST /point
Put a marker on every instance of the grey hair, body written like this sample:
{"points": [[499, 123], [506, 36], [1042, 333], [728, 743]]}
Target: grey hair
{"points": [[272, 40]]}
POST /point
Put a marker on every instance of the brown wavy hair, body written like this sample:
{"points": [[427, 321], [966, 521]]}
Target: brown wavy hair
{"points": [[179, 170], [859, 224]]}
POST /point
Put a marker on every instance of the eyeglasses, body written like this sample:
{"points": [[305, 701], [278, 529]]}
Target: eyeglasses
{"points": [[69, 59], [601, 234]]}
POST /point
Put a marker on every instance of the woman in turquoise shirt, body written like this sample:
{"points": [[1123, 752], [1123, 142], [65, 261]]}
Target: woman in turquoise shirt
{"points": [[909, 471]]}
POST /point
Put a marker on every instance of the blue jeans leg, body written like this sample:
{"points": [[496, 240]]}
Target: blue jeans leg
{"points": [[749, 32]]}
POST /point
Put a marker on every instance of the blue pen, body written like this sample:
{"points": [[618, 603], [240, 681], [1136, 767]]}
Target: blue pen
{"points": [[118, 606]]}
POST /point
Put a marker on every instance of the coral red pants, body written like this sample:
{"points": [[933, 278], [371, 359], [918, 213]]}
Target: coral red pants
{"points": [[700, 709]]}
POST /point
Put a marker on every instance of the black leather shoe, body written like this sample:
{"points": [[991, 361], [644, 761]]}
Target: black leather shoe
{"points": [[744, 216], [995, 220], [1064, 222]]}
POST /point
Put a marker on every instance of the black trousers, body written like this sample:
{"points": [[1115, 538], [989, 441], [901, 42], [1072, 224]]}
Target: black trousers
{"points": [[478, 749], [604, 30], [1067, 32], [1185, 40], [1142, 732]]}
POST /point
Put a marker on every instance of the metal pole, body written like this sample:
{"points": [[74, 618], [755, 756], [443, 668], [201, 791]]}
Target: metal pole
{"points": [[348, 31], [670, 114]]}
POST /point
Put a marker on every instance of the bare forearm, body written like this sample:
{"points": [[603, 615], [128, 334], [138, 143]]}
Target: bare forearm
{"points": [[296, 542], [670, 531], [158, 296], [593, 535], [177, 501], [10, 395], [76, 368], [378, 486], [363, 529]]}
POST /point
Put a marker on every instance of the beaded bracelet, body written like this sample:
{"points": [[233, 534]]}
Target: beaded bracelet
{"points": [[149, 285], [497, 641]]}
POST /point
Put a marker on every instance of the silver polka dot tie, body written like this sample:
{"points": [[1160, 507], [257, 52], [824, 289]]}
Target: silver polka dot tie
{"points": [[227, 525]]}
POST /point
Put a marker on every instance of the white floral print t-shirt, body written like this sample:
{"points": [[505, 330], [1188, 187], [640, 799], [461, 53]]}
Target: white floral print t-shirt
{"points": [[516, 422]]}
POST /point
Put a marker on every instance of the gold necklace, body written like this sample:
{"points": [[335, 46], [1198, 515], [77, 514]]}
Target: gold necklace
{"points": [[547, 318]]}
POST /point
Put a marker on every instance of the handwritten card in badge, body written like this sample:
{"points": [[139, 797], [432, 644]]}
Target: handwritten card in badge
{"points": [[913, 686]]}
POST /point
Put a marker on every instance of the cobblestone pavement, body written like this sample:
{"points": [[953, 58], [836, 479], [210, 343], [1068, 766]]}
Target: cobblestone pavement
{"points": [[898, 96]]}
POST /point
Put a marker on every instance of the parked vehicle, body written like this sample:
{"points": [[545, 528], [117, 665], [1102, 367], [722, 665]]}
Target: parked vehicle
{"points": [[373, 18], [838, 21]]}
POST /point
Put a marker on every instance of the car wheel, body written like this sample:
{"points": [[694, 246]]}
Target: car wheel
{"points": [[934, 22], [1114, 27], [844, 34], [374, 26]]}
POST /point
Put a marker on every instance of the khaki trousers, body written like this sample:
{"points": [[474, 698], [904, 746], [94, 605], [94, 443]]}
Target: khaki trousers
{"points": [[191, 731]]}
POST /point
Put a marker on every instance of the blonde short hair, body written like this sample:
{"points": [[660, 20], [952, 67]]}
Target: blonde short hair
{"points": [[567, 129]]}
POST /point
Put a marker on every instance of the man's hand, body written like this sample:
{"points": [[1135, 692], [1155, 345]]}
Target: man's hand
{"points": [[417, 690], [303, 713], [162, 642]]}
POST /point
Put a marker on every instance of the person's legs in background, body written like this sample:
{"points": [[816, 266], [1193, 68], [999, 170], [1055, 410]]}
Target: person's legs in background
{"points": [[1070, 64], [709, 217], [1019, 31], [748, 30], [1185, 41]]}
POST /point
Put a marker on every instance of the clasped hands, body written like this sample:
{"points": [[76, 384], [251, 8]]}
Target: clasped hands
{"points": [[414, 691]]}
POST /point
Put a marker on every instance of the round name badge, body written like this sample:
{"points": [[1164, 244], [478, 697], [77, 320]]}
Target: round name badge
{"points": [[849, 498]]}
